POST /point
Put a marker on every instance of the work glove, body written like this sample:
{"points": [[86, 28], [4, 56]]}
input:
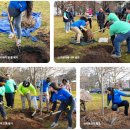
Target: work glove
{"points": [[68, 108], [51, 112], [1, 103]]}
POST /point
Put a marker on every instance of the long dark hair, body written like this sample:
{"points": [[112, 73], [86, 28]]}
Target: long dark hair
{"points": [[83, 18], [29, 8], [112, 93]]}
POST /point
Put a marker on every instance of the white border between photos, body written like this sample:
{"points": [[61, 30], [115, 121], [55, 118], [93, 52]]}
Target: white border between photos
{"points": [[78, 66]]}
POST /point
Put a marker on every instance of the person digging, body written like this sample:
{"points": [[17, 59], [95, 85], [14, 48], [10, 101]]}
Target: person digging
{"points": [[114, 95], [2, 93], [67, 104], [79, 25], [119, 32], [25, 89], [15, 10]]}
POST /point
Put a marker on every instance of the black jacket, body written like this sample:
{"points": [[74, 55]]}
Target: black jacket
{"points": [[68, 16], [101, 17]]}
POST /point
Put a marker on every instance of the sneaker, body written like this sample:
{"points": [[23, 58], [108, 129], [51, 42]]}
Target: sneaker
{"points": [[18, 42], [115, 56], [53, 125], [69, 128], [77, 42], [11, 35]]}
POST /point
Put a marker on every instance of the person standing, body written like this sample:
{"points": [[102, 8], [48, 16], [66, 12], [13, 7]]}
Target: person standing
{"points": [[71, 13], [26, 89], [89, 14], [2, 92], [15, 10], [44, 92], [101, 19], [128, 11], [66, 19], [65, 85], [10, 89]]}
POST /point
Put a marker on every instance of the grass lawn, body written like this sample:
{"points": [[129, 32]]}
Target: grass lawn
{"points": [[39, 6], [61, 39], [96, 102]]}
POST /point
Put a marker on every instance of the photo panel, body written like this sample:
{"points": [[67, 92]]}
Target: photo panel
{"points": [[105, 97], [38, 97], [92, 31], [24, 31]]}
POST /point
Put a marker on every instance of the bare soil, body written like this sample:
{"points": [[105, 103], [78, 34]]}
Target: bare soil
{"points": [[63, 50], [27, 54], [25, 121], [95, 120], [98, 54]]}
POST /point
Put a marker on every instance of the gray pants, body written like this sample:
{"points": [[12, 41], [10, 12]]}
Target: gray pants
{"points": [[17, 18], [23, 99]]}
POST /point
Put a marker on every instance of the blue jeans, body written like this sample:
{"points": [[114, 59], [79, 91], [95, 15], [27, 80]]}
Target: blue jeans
{"points": [[67, 26], [117, 42], [2, 110], [17, 18]]}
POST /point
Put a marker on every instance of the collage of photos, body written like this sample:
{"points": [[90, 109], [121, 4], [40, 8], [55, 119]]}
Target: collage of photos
{"points": [[64, 64]]}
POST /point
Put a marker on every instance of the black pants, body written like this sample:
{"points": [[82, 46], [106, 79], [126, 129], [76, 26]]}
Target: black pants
{"points": [[90, 22], [63, 106], [10, 99], [124, 103]]}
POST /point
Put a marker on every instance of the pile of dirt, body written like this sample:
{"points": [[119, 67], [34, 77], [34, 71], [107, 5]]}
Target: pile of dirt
{"points": [[20, 120], [43, 36], [111, 120], [27, 22], [28, 54], [24, 120], [63, 50], [99, 54]]}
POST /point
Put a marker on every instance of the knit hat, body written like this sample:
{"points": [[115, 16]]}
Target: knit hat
{"points": [[26, 83], [109, 88]]}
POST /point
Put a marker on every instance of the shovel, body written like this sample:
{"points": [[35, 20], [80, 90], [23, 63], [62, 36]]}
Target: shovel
{"points": [[18, 46], [48, 115]]}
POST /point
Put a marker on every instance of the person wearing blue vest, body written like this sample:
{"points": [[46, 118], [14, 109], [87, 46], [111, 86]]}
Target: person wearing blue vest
{"points": [[44, 91], [10, 89], [67, 104], [15, 10], [114, 95], [2, 93]]}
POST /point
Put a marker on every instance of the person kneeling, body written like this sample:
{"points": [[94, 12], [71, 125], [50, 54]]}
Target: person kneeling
{"points": [[115, 96]]}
